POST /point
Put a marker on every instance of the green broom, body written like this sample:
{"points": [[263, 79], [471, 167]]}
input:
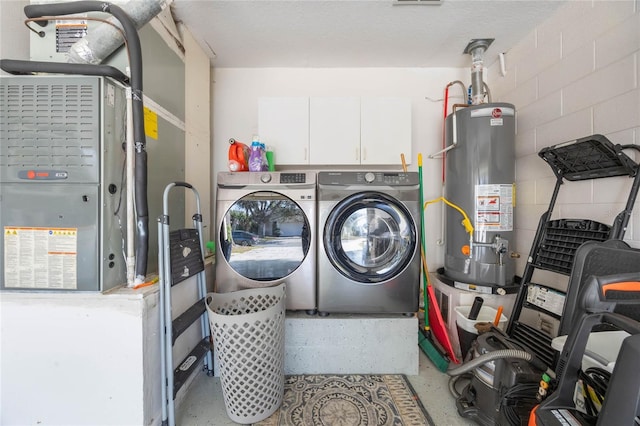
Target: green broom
{"points": [[424, 335]]}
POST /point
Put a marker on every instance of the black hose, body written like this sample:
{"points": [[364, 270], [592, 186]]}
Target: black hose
{"points": [[135, 62], [17, 67]]}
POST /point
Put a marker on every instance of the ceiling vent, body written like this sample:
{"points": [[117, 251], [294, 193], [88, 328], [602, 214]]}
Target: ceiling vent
{"points": [[417, 2]]}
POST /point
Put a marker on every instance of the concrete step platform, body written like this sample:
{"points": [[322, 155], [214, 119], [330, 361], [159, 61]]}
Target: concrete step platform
{"points": [[349, 344]]}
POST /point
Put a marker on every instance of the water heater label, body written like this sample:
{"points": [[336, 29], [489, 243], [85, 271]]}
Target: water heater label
{"points": [[40, 257], [494, 207]]}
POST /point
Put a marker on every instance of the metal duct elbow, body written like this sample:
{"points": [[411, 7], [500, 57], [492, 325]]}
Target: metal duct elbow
{"points": [[476, 49], [96, 46]]}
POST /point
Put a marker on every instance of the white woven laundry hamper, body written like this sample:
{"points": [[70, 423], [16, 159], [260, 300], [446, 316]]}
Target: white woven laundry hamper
{"points": [[248, 335]]}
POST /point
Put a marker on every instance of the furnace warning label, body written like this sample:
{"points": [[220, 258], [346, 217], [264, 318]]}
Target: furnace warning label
{"points": [[68, 32], [40, 257], [150, 123], [494, 207]]}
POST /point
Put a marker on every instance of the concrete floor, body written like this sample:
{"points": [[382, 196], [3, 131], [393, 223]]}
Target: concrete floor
{"points": [[203, 403]]}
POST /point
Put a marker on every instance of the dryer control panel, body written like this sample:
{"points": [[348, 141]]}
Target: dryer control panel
{"points": [[369, 178]]}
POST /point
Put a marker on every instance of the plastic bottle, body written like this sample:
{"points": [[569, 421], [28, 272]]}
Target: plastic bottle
{"points": [[263, 151], [270, 160], [255, 157]]}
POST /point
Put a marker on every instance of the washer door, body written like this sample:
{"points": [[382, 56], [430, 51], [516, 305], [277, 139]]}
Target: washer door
{"points": [[369, 237], [264, 236]]}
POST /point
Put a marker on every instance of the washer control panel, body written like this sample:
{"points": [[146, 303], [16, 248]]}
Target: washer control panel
{"points": [[244, 179], [293, 177], [265, 178]]}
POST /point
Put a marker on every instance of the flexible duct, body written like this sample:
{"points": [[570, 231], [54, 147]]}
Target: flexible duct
{"points": [[477, 82], [102, 41], [135, 61]]}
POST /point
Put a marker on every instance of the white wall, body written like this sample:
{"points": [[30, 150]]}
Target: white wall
{"points": [[235, 111], [576, 75]]}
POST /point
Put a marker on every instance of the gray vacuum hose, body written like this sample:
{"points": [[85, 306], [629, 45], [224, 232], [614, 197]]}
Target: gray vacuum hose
{"points": [[492, 356]]}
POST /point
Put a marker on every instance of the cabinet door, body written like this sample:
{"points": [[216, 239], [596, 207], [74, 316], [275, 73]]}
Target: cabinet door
{"points": [[283, 124], [334, 130], [385, 130]]}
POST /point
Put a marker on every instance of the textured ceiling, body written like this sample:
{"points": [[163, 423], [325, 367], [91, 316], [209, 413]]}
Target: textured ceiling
{"points": [[364, 33]]}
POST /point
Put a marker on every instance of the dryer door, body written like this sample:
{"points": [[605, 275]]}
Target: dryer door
{"points": [[265, 236], [370, 237]]}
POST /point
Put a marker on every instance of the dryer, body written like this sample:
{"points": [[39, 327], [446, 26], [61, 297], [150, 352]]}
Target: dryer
{"points": [[368, 247], [266, 223]]}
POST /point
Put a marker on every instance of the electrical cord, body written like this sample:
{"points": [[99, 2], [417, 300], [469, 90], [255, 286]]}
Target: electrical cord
{"points": [[521, 396], [595, 382]]}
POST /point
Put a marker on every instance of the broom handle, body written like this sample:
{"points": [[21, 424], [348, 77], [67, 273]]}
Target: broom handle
{"points": [[422, 248]]}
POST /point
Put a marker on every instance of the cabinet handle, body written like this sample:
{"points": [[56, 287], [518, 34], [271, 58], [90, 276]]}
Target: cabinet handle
{"points": [[305, 154]]}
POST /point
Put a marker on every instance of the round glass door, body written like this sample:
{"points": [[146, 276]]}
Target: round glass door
{"points": [[265, 236], [369, 237]]}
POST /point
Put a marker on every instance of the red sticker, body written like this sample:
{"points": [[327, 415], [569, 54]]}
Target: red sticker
{"points": [[496, 113]]}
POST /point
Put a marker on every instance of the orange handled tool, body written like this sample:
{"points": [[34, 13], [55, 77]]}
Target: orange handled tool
{"points": [[498, 315]]}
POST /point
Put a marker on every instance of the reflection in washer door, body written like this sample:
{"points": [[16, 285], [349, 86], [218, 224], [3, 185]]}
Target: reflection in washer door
{"points": [[369, 237], [265, 236]]}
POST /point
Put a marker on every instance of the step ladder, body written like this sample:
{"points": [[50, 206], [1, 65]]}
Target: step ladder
{"points": [[538, 308], [180, 257]]}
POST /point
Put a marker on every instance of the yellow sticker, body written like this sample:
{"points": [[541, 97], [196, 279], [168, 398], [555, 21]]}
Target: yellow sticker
{"points": [[150, 123]]}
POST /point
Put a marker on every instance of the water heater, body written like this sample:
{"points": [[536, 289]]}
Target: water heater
{"points": [[479, 178]]}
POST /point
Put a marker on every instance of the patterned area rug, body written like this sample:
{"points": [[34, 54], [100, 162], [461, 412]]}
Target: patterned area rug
{"points": [[349, 400]]}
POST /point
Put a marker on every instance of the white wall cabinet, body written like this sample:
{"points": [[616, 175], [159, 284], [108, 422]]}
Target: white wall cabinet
{"points": [[385, 130], [283, 124], [336, 130]]}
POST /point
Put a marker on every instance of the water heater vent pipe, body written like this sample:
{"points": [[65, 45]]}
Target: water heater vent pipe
{"points": [[476, 49]]}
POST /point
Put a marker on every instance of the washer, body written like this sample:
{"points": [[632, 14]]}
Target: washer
{"points": [[368, 255], [273, 218]]}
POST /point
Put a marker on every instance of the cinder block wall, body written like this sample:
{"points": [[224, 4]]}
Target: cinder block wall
{"points": [[575, 75]]}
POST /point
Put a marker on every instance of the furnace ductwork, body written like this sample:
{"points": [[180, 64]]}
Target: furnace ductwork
{"points": [[101, 42]]}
